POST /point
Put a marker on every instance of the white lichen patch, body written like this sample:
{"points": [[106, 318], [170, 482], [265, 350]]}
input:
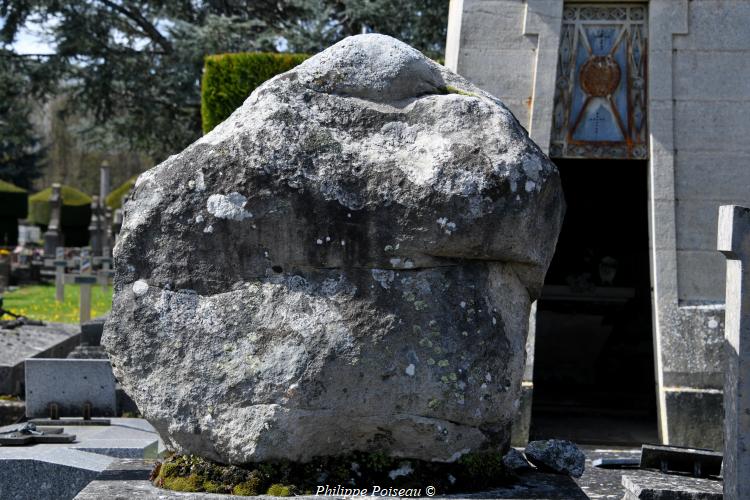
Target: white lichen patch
{"points": [[712, 323], [410, 369], [208, 229], [458, 454], [140, 287], [446, 225], [230, 206], [200, 182], [404, 470], [199, 219], [383, 276]]}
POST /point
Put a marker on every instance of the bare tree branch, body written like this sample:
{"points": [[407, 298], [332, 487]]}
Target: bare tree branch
{"points": [[148, 28]]}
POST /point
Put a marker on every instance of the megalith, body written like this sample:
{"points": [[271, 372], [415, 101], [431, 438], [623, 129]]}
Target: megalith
{"points": [[345, 264]]}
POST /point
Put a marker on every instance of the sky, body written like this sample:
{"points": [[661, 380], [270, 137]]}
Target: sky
{"points": [[30, 40]]}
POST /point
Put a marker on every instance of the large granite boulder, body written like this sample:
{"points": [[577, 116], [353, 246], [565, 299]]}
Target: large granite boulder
{"points": [[346, 263]]}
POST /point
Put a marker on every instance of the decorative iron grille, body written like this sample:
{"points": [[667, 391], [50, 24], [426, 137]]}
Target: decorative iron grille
{"points": [[600, 95]]}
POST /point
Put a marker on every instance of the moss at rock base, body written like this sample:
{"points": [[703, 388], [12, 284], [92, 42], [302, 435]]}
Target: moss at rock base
{"points": [[472, 472]]}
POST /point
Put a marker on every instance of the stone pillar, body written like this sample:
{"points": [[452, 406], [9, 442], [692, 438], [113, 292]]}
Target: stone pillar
{"points": [[107, 235], [103, 182], [95, 228], [734, 243], [53, 236], [116, 225]]}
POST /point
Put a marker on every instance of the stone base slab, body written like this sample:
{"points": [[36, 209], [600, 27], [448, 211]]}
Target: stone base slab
{"points": [[670, 487]]}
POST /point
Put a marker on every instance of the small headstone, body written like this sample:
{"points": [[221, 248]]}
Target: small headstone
{"points": [[91, 335], [72, 385], [734, 243], [91, 331], [556, 455]]}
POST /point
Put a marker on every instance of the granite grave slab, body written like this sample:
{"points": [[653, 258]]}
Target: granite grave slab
{"points": [[60, 470], [53, 340], [71, 384]]}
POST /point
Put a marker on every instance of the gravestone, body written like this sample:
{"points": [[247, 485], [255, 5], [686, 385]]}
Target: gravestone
{"points": [[60, 264], [91, 335], [85, 280], [734, 243], [53, 236], [347, 263], [70, 384], [95, 227]]}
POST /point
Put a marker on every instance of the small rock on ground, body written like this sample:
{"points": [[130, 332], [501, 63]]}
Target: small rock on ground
{"points": [[556, 455], [515, 461]]}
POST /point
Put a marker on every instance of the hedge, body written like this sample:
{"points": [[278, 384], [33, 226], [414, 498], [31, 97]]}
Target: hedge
{"points": [[76, 209], [228, 79], [115, 197], [13, 201]]}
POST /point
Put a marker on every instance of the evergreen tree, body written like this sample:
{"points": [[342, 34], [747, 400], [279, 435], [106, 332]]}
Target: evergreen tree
{"points": [[134, 66]]}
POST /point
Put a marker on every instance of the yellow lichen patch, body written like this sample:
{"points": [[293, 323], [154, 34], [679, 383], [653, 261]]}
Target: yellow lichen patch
{"points": [[248, 488], [189, 483], [279, 490]]}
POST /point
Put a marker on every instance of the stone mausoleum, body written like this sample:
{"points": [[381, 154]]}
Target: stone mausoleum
{"points": [[644, 107]]}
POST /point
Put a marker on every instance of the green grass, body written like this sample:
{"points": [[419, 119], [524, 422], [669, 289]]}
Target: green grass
{"points": [[38, 302]]}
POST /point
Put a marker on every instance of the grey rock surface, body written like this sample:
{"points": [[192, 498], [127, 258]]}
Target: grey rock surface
{"points": [[515, 461], [556, 455], [346, 263]]}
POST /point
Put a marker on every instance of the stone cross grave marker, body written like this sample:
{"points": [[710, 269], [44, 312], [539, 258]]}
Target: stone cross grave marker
{"points": [[52, 237], [85, 279], [95, 227], [60, 264], [104, 274], [734, 243]]}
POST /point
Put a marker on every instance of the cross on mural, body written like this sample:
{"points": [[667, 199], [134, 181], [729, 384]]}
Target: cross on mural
{"points": [[600, 95]]}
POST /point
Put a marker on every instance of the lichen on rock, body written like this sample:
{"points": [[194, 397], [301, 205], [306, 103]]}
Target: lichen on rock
{"points": [[358, 471]]}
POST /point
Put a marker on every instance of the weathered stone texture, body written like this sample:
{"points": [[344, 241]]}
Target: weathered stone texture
{"points": [[346, 263], [556, 455]]}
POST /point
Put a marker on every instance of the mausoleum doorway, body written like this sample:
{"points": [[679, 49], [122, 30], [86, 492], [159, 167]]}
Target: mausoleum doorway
{"points": [[594, 361]]}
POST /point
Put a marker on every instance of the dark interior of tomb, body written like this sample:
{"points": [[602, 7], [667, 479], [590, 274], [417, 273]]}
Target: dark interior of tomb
{"points": [[594, 364]]}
